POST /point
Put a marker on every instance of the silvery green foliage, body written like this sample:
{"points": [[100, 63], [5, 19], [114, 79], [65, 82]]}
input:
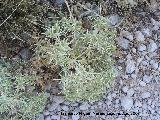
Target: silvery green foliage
{"points": [[86, 52], [16, 102]]}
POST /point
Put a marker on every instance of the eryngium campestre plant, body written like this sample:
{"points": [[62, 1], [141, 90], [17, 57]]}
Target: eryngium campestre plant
{"points": [[18, 100], [84, 56]]}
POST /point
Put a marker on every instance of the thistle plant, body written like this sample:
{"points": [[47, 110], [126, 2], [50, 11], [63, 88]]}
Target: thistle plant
{"points": [[17, 102], [83, 55]]}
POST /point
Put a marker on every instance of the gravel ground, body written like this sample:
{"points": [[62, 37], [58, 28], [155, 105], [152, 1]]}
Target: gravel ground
{"points": [[135, 93]]}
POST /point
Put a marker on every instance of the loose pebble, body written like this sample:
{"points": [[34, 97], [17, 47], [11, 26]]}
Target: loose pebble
{"points": [[127, 102], [145, 95]]}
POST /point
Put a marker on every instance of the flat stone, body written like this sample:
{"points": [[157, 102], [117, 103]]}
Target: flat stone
{"points": [[130, 66], [25, 53], [113, 19], [142, 47], [147, 32], [65, 108], [127, 35], [53, 106], [127, 102], [138, 104], [125, 89], [147, 78], [84, 106], [145, 95], [130, 92], [75, 117], [46, 112], [123, 43], [58, 99], [55, 117], [152, 46], [142, 83], [139, 36]]}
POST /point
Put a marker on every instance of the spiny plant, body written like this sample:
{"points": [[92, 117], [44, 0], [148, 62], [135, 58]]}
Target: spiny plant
{"points": [[83, 55], [18, 98]]}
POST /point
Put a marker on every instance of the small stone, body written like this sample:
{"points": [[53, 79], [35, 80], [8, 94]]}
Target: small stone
{"points": [[127, 102], [134, 50], [146, 32], [125, 89], [142, 83], [142, 47], [48, 118], [118, 119], [139, 36], [24, 53], [130, 66], [152, 46], [84, 106], [145, 63], [145, 95], [134, 76], [75, 117], [113, 19], [40, 117], [123, 43], [127, 35], [53, 106], [138, 104], [60, 2], [55, 117], [65, 108], [46, 112], [147, 78], [58, 99], [130, 92], [155, 65]]}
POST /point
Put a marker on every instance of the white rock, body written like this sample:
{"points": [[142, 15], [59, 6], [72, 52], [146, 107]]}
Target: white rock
{"points": [[65, 107], [134, 50], [58, 99], [113, 19], [138, 104], [53, 106], [127, 35], [130, 66], [46, 112], [118, 119], [75, 117], [147, 78], [123, 43], [147, 32], [142, 83], [55, 117], [152, 46], [155, 65], [125, 89], [130, 92], [126, 102], [145, 95], [84, 106], [139, 36], [142, 47]]}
